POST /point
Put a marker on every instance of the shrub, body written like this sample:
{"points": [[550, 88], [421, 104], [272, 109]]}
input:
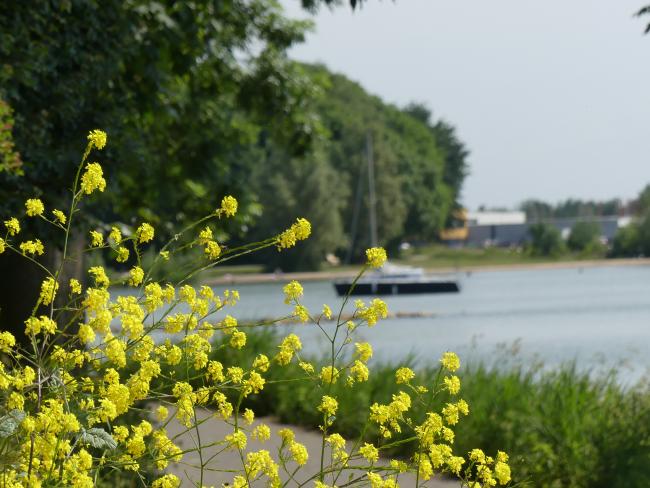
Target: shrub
{"points": [[583, 236], [545, 240]]}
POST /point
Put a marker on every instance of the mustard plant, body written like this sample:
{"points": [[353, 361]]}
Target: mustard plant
{"points": [[94, 362]]}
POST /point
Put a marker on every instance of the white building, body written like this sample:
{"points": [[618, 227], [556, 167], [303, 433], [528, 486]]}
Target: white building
{"points": [[496, 218]]}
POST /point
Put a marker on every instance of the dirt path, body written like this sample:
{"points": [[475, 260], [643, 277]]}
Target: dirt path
{"points": [[217, 470]]}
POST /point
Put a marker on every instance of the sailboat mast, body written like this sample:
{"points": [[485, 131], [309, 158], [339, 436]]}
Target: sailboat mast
{"points": [[372, 203]]}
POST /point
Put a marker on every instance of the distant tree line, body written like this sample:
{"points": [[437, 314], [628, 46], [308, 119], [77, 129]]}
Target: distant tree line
{"points": [[632, 240], [537, 210]]}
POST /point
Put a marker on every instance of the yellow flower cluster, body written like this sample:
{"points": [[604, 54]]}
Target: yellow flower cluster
{"points": [[34, 207], [97, 138], [74, 404], [34, 247], [49, 288], [288, 348], [228, 206], [371, 313], [292, 291], [300, 230], [59, 216], [144, 233], [376, 257], [93, 179]]}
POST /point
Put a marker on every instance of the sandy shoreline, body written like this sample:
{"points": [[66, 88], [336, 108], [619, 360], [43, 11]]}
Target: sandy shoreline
{"points": [[247, 278]]}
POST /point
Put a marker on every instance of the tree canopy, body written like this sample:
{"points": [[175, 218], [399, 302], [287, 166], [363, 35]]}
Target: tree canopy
{"points": [[200, 99]]}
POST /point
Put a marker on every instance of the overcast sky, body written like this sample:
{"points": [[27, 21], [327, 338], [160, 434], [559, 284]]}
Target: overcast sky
{"points": [[551, 97]]}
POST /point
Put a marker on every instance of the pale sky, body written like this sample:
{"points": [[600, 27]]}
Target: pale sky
{"points": [[551, 97]]}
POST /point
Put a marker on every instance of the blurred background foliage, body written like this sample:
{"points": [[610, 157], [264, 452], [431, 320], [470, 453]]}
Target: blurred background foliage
{"points": [[200, 99]]}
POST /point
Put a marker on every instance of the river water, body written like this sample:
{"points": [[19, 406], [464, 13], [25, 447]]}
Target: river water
{"points": [[599, 317]]}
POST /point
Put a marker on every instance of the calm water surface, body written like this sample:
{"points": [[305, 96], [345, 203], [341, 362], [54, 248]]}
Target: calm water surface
{"points": [[597, 316]]}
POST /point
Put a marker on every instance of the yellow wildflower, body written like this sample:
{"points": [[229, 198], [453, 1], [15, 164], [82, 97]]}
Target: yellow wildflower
{"points": [[248, 416], [49, 288], [93, 179], [288, 347], [301, 312], [299, 453], [161, 413], [376, 257], [136, 275], [13, 226], [358, 372], [59, 216], [238, 339], [205, 235], [237, 439], [167, 481], [328, 405], [298, 231], [292, 291], [34, 207], [502, 472], [306, 367], [122, 254], [2, 245], [329, 374], [36, 325], [86, 334], [32, 247], [212, 249], [97, 138], [99, 274], [369, 452], [262, 433], [144, 233], [228, 206], [96, 239], [115, 234], [452, 383], [327, 312], [450, 361], [261, 363], [235, 374], [455, 463], [7, 341], [364, 350], [404, 375]]}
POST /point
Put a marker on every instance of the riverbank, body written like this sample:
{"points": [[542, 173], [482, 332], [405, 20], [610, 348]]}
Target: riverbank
{"points": [[329, 275]]}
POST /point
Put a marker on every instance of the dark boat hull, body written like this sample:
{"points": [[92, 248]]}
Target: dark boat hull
{"points": [[397, 288]]}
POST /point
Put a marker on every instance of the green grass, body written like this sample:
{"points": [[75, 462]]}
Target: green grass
{"points": [[562, 428], [439, 256]]}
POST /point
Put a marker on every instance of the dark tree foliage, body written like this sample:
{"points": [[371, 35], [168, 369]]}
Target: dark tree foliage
{"points": [[545, 240], [584, 235], [571, 208], [634, 239], [181, 88], [454, 152]]}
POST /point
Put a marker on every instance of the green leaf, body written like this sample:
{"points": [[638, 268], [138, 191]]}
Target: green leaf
{"points": [[98, 438], [10, 422]]}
